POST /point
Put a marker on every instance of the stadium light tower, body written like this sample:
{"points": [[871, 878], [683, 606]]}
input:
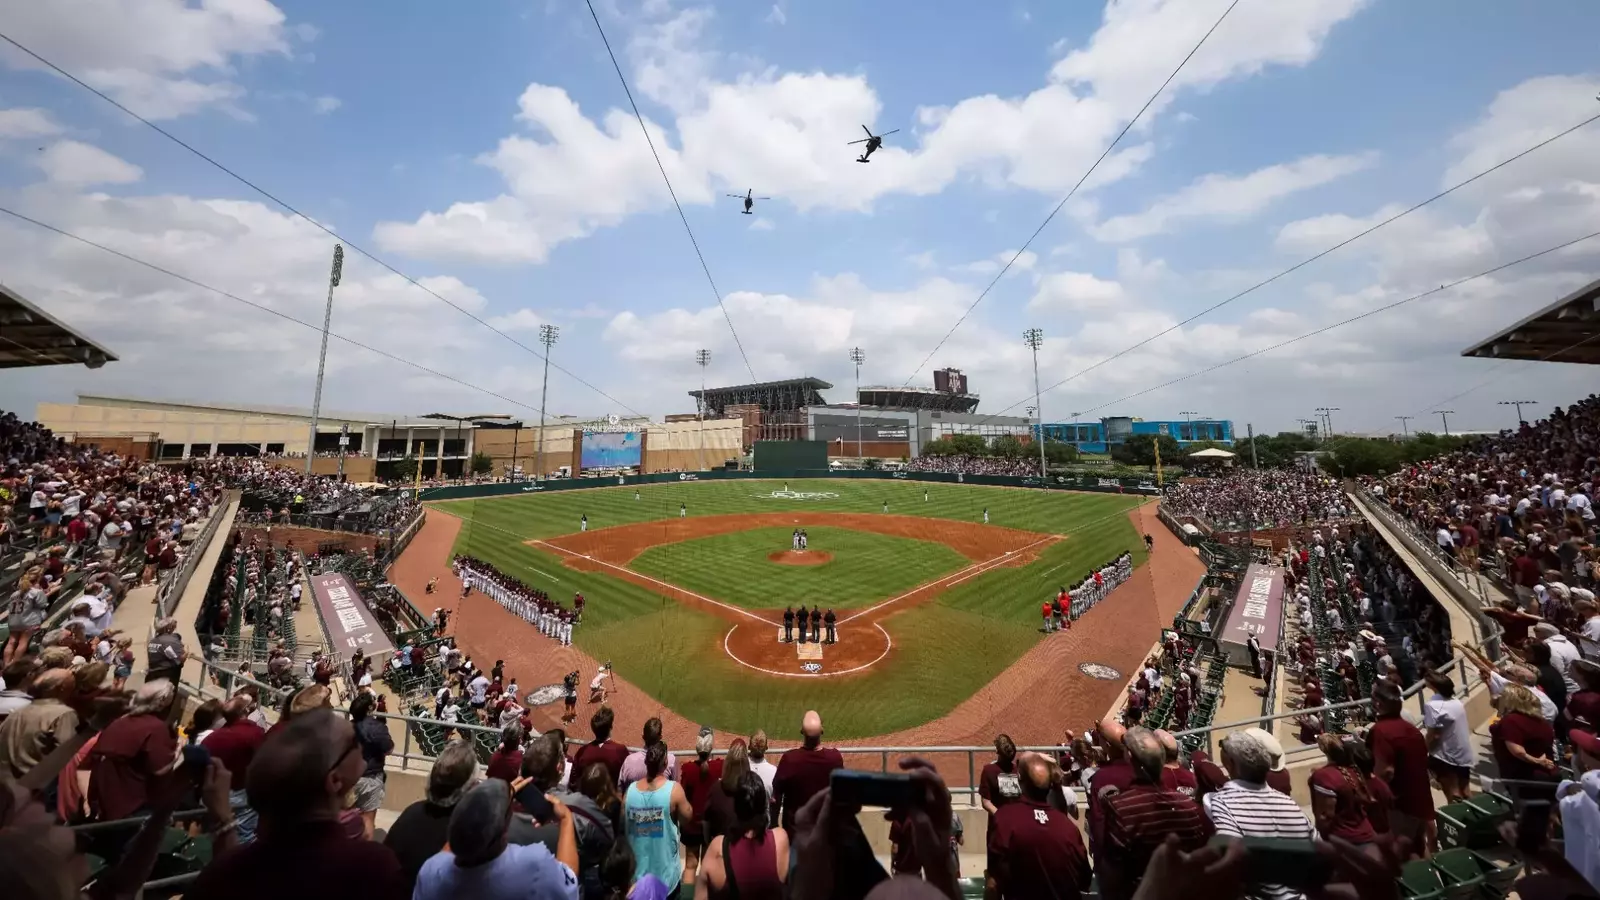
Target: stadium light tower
{"points": [[858, 356], [1404, 431], [322, 358], [702, 358], [1327, 414], [1444, 416], [548, 334], [1034, 338], [1519, 404]]}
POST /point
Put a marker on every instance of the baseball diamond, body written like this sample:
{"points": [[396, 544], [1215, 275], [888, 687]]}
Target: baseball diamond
{"points": [[931, 605]]}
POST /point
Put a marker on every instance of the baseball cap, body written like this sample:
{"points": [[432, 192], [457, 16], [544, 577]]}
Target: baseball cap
{"points": [[1586, 742]]}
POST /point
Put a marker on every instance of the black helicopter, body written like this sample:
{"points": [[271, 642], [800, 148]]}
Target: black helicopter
{"points": [[873, 142], [749, 199]]}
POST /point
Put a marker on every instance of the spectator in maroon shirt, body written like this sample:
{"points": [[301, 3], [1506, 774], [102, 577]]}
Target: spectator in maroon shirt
{"points": [[297, 786], [1035, 850], [804, 771], [1139, 818], [1339, 795], [602, 749], [1109, 780], [1174, 777], [1400, 757], [235, 745], [132, 752], [506, 761], [998, 785]]}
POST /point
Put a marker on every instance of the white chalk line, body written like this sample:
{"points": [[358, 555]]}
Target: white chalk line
{"points": [[658, 582], [954, 578], [888, 644]]}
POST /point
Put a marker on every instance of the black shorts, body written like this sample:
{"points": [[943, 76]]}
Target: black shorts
{"points": [[1440, 769], [571, 699]]}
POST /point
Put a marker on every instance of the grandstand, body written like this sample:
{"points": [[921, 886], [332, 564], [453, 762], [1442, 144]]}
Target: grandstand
{"points": [[1564, 331], [33, 337]]}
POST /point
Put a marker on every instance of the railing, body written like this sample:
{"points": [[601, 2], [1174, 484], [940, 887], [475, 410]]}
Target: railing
{"points": [[170, 591]]}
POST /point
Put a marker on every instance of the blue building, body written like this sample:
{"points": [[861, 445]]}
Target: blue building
{"points": [[1101, 436]]}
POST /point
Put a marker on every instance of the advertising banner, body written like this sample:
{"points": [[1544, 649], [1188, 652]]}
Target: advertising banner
{"points": [[350, 624], [1257, 610]]}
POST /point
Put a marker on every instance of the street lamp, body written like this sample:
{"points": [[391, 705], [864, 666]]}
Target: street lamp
{"points": [[322, 358], [548, 335], [1518, 404], [702, 358], [858, 356], [1444, 415], [1404, 431], [1034, 338]]}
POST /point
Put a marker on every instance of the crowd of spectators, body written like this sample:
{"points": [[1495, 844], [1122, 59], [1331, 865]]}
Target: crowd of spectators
{"points": [[975, 465], [1262, 498]]}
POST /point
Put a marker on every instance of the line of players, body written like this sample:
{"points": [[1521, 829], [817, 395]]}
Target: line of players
{"points": [[1069, 605], [817, 619], [530, 604]]}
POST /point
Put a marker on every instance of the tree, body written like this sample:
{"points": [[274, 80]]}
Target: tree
{"points": [[481, 463], [1140, 450], [1008, 446], [406, 469], [1268, 455], [957, 445], [1359, 456], [1060, 453]]}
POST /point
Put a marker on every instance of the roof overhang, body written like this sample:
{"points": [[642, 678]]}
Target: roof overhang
{"points": [[1565, 331], [29, 336]]}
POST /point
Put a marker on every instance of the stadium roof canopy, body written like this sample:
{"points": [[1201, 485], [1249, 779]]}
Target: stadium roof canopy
{"points": [[772, 396], [1565, 331], [29, 336], [916, 398]]}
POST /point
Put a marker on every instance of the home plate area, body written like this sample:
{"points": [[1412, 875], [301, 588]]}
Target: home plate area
{"points": [[811, 649]]}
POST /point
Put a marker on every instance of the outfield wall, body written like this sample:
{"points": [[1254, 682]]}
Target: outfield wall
{"points": [[1055, 482]]}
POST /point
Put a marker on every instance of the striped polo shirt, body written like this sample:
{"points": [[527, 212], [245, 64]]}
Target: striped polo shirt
{"points": [[1242, 809]]}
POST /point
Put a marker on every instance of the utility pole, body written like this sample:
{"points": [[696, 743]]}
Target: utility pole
{"points": [[344, 442], [1255, 461], [322, 358], [548, 335], [1034, 338], [1518, 404], [1444, 415], [858, 356], [1404, 430], [1327, 413], [515, 435], [702, 358]]}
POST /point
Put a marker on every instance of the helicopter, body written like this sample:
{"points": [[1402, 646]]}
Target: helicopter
{"points": [[873, 142], [749, 199]]}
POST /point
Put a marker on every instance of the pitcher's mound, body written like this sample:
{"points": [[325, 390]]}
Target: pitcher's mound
{"points": [[800, 557]]}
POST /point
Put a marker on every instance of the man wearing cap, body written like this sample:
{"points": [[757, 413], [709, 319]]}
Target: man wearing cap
{"points": [[1562, 652]]}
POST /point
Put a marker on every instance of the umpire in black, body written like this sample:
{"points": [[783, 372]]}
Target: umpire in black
{"points": [[816, 623], [788, 624], [803, 617], [830, 619]]}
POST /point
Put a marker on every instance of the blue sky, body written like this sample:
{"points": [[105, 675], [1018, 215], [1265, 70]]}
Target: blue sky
{"points": [[488, 150]]}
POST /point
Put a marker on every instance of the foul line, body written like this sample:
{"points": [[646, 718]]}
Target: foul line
{"points": [[658, 582], [888, 644], [954, 578]]}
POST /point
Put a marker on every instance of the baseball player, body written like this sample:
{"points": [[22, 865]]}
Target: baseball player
{"points": [[805, 540], [1044, 610], [924, 495], [583, 522], [986, 515], [635, 494], [566, 630], [885, 506], [683, 511], [788, 624]]}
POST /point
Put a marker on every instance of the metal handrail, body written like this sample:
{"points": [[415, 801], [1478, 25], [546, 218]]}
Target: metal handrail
{"points": [[179, 577]]}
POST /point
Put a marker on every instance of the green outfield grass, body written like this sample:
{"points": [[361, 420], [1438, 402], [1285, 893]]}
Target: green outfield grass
{"points": [[734, 568], [943, 651]]}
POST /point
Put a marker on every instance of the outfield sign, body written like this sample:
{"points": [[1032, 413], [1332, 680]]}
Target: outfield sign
{"points": [[797, 495]]}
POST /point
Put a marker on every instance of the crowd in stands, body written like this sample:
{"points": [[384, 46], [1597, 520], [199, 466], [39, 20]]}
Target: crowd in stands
{"points": [[1264, 498], [974, 465], [531, 604]]}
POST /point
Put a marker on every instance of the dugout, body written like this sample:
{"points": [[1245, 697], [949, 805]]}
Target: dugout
{"points": [[771, 456]]}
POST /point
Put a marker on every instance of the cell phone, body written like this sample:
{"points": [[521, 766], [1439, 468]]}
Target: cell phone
{"points": [[892, 790], [1286, 861], [196, 759]]}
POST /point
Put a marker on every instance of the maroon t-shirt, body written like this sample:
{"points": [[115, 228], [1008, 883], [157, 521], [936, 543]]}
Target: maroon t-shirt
{"points": [[1109, 780], [999, 785], [608, 753], [234, 746], [1180, 780], [1398, 741], [1349, 812], [1382, 802], [697, 779], [310, 859], [505, 765], [801, 775], [126, 758], [1039, 851], [1533, 735], [1583, 710]]}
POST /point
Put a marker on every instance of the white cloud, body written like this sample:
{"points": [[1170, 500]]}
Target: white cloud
{"points": [[163, 59], [27, 123], [78, 164], [762, 225], [1229, 197], [521, 320], [1025, 262], [786, 132], [326, 104], [1076, 292], [776, 16]]}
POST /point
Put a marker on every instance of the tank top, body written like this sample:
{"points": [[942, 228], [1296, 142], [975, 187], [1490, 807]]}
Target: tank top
{"points": [[652, 833], [753, 866]]}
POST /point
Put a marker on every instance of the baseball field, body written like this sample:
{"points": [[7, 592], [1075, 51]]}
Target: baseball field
{"points": [[687, 582]]}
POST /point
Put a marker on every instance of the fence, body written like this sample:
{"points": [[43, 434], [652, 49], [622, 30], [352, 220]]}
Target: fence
{"points": [[1054, 482], [171, 590]]}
